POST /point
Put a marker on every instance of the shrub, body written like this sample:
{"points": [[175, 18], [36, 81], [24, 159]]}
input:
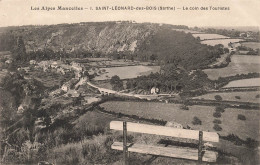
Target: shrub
{"points": [[257, 96], [251, 143], [196, 121], [217, 114], [217, 127], [234, 138], [237, 97], [220, 109], [218, 98], [216, 121], [241, 117], [184, 107]]}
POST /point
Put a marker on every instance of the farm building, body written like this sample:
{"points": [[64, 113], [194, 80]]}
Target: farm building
{"points": [[155, 90]]}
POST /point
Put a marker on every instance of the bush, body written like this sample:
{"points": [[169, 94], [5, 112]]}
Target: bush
{"points": [[241, 117], [251, 143], [234, 138], [257, 96], [196, 121], [218, 98], [220, 109], [217, 114], [216, 121], [237, 97], [217, 127], [184, 107]]}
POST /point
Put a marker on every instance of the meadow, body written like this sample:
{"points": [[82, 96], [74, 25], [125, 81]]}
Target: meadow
{"points": [[252, 82], [240, 64], [187, 31], [253, 45], [204, 36], [224, 42], [250, 96], [173, 112], [127, 72]]}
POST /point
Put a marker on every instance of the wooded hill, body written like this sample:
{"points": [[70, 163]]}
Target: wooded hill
{"points": [[144, 41]]}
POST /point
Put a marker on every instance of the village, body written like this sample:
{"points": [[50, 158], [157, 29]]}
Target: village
{"points": [[71, 104]]}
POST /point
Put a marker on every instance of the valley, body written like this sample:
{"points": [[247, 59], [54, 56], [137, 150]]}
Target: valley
{"points": [[63, 84]]}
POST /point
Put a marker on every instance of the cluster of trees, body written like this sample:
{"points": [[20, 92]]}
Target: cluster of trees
{"points": [[250, 50], [225, 32], [254, 36], [222, 81], [7, 41], [171, 79], [164, 45], [168, 46], [20, 90], [117, 83]]}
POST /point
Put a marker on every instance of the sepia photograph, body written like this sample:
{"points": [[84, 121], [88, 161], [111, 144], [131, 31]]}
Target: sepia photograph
{"points": [[136, 82]]}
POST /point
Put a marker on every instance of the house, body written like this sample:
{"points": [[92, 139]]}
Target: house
{"points": [[65, 87], [78, 74], [27, 145], [73, 93], [45, 65], [68, 85], [32, 62], [8, 61], [155, 90], [26, 69], [20, 109], [243, 34], [76, 66], [60, 70], [55, 64]]}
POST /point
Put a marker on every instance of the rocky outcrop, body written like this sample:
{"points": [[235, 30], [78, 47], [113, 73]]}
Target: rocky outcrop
{"points": [[105, 37]]}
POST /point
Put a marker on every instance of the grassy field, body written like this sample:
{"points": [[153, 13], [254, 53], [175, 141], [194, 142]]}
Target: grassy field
{"points": [[249, 96], [224, 42], [253, 45], [172, 112], [187, 31], [208, 36], [244, 83], [239, 64], [127, 72]]}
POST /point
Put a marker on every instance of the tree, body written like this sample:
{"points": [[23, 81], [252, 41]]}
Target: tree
{"points": [[153, 57], [241, 117], [19, 50], [116, 82], [226, 50], [196, 121]]}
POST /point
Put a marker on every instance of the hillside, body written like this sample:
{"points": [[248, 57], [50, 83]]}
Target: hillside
{"points": [[144, 41], [100, 37]]}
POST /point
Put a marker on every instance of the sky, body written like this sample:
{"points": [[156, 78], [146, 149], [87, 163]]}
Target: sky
{"points": [[241, 13]]}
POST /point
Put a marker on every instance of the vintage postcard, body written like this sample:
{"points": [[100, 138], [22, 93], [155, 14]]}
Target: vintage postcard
{"points": [[129, 82]]}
